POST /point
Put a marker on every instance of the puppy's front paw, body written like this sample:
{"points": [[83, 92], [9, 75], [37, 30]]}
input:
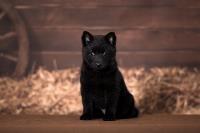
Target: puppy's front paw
{"points": [[109, 117], [85, 117]]}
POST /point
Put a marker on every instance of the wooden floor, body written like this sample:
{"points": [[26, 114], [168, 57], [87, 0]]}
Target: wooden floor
{"points": [[66, 124]]}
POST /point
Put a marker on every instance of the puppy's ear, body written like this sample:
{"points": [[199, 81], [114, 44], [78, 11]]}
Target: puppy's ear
{"points": [[111, 38], [87, 38]]}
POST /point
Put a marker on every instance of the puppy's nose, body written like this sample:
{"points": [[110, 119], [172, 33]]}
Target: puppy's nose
{"points": [[98, 64]]}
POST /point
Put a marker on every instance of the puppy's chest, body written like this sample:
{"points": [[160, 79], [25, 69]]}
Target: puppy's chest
{"points": [[100, 88], [102, 82], [99, 97]]}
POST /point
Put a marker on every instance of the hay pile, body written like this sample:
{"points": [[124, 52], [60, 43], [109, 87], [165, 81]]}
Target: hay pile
{"points": [[165, 90], [156, 90], [44, 92]]}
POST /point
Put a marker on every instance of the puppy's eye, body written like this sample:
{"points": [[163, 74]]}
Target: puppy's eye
{"points": [[93, 54]]}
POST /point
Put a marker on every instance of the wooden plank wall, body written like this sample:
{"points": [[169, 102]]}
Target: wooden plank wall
{"points": [[150, 32]]}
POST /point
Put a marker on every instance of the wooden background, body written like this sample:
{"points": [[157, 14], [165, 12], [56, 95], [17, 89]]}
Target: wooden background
{"points": [[150, 32]]}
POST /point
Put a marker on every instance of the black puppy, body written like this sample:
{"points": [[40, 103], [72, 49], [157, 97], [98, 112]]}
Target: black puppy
{"points": [[103, 90]]}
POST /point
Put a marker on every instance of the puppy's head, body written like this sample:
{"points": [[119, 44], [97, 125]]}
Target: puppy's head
{"points": [[98, 51]]}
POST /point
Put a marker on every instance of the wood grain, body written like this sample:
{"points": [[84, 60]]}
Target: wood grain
{"points": [[111, 3], [105, 17], [127, 40], [63, 124]]}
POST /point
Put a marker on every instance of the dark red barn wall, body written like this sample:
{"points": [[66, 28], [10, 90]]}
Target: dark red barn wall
{"points": [[150, 32]]}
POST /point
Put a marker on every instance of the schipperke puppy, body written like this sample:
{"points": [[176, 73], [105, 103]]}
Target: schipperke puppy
{"points": [[103, 90]]}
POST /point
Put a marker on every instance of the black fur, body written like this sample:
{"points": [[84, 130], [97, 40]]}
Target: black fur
{"points": [[102, 84]]}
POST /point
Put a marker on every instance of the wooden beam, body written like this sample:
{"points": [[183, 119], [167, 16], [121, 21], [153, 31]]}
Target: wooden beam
{"points": [[125, 59], [63, 124]]}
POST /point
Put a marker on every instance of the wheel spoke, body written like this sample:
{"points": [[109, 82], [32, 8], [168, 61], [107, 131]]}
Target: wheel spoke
{"points": [[9, 57], [7, 35], [2, 14]]}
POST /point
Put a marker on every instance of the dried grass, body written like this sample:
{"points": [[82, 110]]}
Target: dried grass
{"points": [[156, 90]]}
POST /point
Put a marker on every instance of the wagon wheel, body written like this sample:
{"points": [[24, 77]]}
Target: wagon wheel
{"points": [[20, 56]]}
